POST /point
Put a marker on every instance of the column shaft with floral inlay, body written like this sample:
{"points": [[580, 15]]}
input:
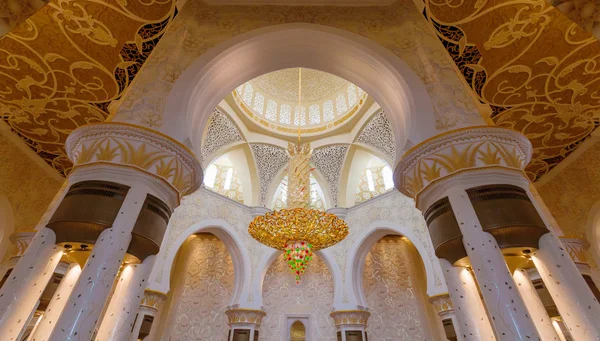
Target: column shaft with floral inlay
{"points": [[471, 213]]}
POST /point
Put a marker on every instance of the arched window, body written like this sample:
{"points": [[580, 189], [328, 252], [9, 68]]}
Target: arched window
{"points": [[210, 176]]}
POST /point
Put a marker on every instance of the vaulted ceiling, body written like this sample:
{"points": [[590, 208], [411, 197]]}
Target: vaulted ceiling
{"points": [[531, 64], [61, 68]]}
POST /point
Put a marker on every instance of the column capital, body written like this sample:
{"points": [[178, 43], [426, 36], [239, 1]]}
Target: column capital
{"points": [[458, 151], [136, 147], [350, 317], [153, 299], [576, 248], [245, 316], [442, 304], [20, 241]]}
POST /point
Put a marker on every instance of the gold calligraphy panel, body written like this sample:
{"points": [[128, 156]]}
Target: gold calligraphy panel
{"points": [[537, 70], [61, 68]]}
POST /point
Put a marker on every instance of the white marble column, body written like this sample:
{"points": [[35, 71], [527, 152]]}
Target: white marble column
{"points": [[21, 292], [119, 318], [83, 309], [48, 321], [558, 329], [471, 317], [508, 313], [247, 319], [534, 304], [576, 304]]}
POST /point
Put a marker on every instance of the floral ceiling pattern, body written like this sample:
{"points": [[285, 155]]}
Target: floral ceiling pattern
{"points": [[535, 68], [61, 68]]}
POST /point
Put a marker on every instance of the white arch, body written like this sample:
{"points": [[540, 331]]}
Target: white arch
{"points": [[360, 249], [265, 263], [353, 57], [227, 234]]}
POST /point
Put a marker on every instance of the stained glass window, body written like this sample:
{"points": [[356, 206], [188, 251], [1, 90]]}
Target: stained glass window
{"points": [[300, 117], [285, 114], [248, 91], [271, 110], [328, 111], [352, 99], [340, 104], [314, 116], [259, 103]]}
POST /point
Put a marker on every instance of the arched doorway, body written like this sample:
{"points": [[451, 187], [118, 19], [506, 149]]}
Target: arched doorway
{"points": [[202, 284]]}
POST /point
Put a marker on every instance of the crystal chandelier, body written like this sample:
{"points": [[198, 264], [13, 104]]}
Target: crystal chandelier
{"points": [[298, 230]]}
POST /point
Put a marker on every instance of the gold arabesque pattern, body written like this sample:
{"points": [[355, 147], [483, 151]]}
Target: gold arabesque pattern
{"points": [[536, 69], [460, 150], [276, 228], [61, 68], [141, 148]]}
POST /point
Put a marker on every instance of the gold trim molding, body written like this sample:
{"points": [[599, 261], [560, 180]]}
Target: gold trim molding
{"points": [[441, 303], [153, 299], [138, 147], [458, 150], [353, 317], [240, 315]]}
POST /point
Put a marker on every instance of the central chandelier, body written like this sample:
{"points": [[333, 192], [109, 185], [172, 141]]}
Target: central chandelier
{"points": [[298, 230]]}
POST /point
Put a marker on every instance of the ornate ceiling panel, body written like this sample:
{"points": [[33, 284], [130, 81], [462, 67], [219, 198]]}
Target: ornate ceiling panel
{"points": [[378, 133], [537, 70], [14, 12], [62, 68], [328, 161], [269, 160], [220, 132]]}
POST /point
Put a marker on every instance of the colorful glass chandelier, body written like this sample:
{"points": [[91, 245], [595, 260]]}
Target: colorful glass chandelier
{"points": [[298, 230]]}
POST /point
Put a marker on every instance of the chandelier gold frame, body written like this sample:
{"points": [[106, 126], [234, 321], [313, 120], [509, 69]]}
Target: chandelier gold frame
{"points": [[279, 228]]}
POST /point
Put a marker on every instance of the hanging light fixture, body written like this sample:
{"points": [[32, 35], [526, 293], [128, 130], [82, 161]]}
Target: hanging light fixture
{"points": [[298, 230]]}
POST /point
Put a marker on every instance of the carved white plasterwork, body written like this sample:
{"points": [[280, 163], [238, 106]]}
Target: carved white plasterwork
{"points": [[220, 132], [329, 161], [396, 212], [379, 134], [205, 209], [269, 160]]}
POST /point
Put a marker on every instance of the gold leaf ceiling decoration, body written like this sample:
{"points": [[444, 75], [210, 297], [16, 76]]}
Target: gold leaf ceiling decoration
{"points": [[537, 69], [61, 68]]}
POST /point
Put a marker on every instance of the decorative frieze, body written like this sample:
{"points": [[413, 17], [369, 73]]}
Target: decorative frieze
{"points": [[350, 317], [240, 315], [126, 145], [460, 150]]}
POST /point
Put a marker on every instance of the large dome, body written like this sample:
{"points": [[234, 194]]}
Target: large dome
{"points": [[271, 100]]}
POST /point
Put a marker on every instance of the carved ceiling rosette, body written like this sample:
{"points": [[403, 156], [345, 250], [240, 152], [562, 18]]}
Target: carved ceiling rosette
{"points": [[352, 317], [458, 151], [136, 147]]}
